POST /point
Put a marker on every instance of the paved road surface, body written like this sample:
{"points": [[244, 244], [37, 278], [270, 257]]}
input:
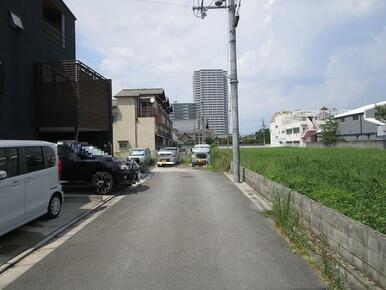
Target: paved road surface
{"points": [[181, 230]]}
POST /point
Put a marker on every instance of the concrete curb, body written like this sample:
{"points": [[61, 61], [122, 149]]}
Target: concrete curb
{"points": [[12, 262], [258, 200], [355, 279], [360, 246]]}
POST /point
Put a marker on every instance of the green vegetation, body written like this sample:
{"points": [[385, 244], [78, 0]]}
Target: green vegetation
{"points": [[329, 131], [219, 159], [380, 113], [288, 220], [351, 181], [331, 268]]}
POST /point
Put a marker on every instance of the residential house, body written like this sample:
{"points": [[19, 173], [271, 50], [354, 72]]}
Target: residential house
{"points": [[361, 125], [141, 119], [44, 92]]}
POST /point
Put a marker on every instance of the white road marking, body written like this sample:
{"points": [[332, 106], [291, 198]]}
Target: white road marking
{"points": [[25, 264], [261, 203]]}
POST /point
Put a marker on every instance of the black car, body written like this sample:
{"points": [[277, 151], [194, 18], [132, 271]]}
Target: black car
{"points": [[83, 164]]}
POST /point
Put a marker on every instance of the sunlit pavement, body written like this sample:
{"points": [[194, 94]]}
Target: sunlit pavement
{"points": [[181, 229]]}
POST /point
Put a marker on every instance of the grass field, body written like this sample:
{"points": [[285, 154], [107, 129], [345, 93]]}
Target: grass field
{"points": [[351, 181]]}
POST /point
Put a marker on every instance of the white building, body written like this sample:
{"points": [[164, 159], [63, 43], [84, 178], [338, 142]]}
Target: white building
{"points": [[296, 128], [210, 90]]}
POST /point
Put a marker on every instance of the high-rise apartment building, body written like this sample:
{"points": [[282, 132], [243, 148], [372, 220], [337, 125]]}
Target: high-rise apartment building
{"points": [[210, 90], [184, 117], [183, 111]]}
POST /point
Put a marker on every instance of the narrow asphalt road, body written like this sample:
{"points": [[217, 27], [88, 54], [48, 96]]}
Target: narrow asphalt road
{"points": [[181, 230]]}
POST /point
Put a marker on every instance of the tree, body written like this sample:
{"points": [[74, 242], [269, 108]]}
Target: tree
{"points": [[209, 140], [329, 131], [263, 136], [380, 113]]}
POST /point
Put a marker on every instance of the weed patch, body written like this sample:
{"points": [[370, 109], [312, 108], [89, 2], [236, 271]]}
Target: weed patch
{"points": [[288, 220], [351, 181]]}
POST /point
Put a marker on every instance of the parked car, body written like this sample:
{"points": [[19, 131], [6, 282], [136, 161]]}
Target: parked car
{"points": [[201, 154], [135, 168], [142, 156], [29, 182], [85, 164], [168, 156]]}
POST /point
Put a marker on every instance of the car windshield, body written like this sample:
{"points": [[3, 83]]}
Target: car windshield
{"points": [[95, 151], [137, 153], [201, 147], [168, 149]]}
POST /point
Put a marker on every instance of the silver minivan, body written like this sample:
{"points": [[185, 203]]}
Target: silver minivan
{"points": [[29, 182]]}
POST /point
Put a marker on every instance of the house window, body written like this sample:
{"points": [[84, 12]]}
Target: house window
{"points": [[296, 130], [123, 146], [355, 117], [1, 77], [16, 21], [342, 120], [289, 131]]}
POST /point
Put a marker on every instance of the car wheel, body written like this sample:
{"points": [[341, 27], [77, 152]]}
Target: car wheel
{"points": [[102, 183], [54, 206]]}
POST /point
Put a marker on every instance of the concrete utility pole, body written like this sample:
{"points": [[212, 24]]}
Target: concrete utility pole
{"points": [[233, 13]]}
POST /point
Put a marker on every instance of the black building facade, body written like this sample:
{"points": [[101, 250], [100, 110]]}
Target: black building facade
{"points": [[43, 89]]}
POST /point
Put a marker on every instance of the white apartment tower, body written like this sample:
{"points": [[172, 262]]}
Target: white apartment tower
{"points": [[210, 90]]}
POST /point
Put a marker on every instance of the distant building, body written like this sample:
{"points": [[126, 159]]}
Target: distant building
{"points": [[184, 117], [141, 119], [183, 111], [360, 125], [44, 92], [296, 128], [210, 90]]}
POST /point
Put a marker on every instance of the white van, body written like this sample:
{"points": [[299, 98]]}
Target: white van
{"points": [[29, 182], [201, 154]]}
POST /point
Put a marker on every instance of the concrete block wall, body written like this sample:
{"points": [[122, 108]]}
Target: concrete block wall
{"points": [[361, 246]]}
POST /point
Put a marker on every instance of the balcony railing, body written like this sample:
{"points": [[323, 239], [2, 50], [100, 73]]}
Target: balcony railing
{"points": [[70, 94], [147, 112], [164, 133]]}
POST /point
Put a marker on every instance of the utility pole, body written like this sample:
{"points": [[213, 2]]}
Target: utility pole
{"points": [[263, 127], [233, 14]]}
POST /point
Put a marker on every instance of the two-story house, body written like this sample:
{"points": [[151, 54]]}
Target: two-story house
{"points": [[361, 125], [141, 119], [44, 92]]}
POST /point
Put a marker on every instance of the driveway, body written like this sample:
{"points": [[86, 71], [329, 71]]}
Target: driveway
{"points": [[182, 229]]}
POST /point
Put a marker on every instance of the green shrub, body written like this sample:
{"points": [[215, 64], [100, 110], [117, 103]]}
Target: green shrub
{"points": [[219, 159]]}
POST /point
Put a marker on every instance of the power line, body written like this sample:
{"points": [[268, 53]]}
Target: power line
{"points": [[164, 3]]}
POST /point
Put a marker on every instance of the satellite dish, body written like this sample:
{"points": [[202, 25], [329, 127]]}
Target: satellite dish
{"points": [[152, 100]]}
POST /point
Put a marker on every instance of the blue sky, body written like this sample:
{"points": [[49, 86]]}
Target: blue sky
{"points": [[293, 54]]}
